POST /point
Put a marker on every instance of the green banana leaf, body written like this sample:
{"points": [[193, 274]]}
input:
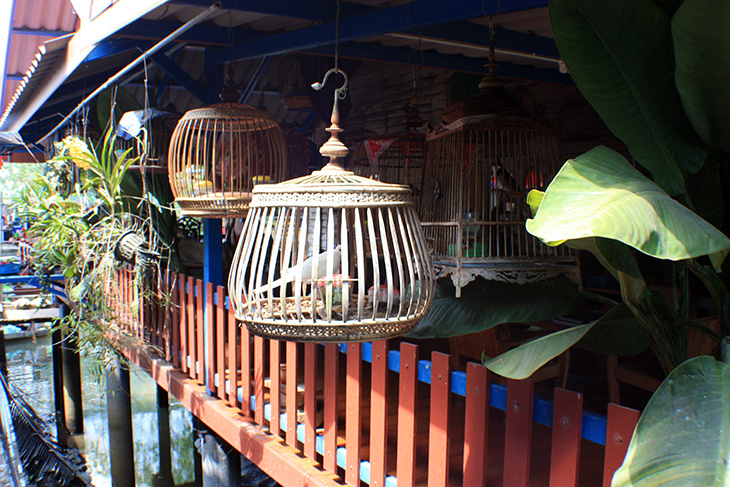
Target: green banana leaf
{"points": [[599, 194], [683, 436], [620, 56], [615, 333], [701, 45], [484, 304]]}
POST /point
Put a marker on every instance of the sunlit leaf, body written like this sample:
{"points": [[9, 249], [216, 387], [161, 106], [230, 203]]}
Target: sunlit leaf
{"points": [[606, 335], [683, 436], [599, 194]]}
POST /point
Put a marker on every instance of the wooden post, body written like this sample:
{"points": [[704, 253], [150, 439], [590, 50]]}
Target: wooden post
{"points": [[72, 399], [221, 462], [58, 400], [119, 413], [164, 476]]}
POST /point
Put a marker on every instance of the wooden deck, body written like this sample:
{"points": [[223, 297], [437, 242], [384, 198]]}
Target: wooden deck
{"points": [[367, 415]]}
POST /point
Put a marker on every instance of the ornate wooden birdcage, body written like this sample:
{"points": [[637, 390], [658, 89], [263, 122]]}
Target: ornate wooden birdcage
{"points": [[331, 257], [394, 158], [479, 169], [218, 153]]}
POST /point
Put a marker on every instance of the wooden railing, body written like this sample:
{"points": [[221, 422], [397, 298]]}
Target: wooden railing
{"points": [[380, 416]]}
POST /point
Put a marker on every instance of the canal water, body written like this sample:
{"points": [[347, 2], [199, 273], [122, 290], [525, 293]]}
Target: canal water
{"points": [[30, 368]]}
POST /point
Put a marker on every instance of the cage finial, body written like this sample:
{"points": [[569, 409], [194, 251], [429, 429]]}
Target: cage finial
{"points": [[334, 148]]}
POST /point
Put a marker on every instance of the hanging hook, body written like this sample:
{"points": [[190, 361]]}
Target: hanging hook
{"points": [[340, 93], [334, 148]]}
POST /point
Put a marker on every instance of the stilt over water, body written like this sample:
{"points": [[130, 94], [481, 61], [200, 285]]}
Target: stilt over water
{"points": [[119, 411], [73, 406]]}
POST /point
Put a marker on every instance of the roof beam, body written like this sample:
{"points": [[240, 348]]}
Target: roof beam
{"points": [[200, 34], [506, 39], [408, 16], [81, 44], [112, 46], [372, 52], [179, 75], [313, 10]]}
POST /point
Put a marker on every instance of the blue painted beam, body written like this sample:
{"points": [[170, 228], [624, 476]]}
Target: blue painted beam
{"points": [[372, 52], [112, 46], [254, 79], [505, 39], [179, 75], [165, 83], [214, 76], [403, 17], [313, 10], [200, 34]]}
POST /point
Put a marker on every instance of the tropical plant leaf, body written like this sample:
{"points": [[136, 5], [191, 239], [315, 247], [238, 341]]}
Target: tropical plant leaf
{"points": [[683, 436], [484, 304], [620, 55], [599, 194], [701, 45], [616, 333], [522, 361], [706, 186]]}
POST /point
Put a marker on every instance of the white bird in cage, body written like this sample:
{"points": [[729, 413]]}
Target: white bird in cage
{"points": [[305, 269]]}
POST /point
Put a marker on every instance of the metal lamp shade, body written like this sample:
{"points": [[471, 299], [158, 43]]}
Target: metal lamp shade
{"points": [[218, 153], [331, 257]]}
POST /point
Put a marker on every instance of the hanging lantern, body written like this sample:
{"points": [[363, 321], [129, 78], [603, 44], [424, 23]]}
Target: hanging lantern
{"points": [[218, 153], [395, 158], [331, 257], [481, 163]]}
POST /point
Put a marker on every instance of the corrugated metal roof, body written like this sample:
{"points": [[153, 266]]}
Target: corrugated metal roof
{"points": [[47, 55], [260, 29], [34, 22]]}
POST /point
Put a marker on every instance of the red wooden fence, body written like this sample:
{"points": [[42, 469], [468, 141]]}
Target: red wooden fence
{"points": [[380, 416]]}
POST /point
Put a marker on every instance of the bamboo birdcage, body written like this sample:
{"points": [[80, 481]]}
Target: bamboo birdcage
{"points": [[292, 87], [331, 257], [395, 158], [473, 201], [218, 153], [392, 159]]}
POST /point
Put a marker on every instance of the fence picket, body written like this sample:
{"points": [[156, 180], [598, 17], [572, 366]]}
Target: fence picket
{"points": [[518, 433], [565, 449], [476, 425], [620, 424]]}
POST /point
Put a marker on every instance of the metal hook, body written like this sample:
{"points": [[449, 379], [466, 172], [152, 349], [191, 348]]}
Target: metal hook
{"points": [[340, 93]]}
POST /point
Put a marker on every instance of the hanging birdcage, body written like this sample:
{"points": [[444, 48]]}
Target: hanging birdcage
{"points": [[292, 87], [331, 257], [480, 168], [393, 159], [218, 153]]}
